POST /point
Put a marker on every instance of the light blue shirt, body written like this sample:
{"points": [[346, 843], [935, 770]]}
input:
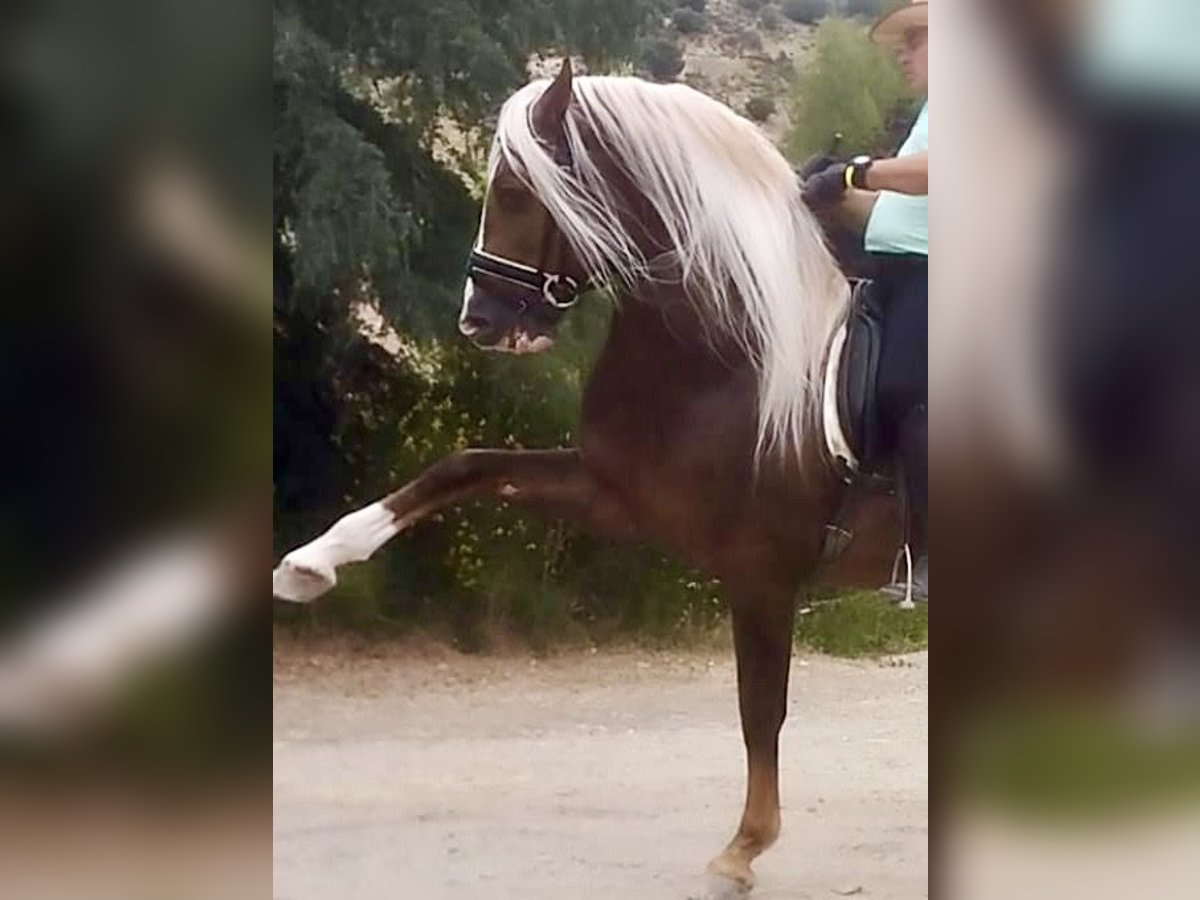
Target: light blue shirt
{"points": [[899, 223], [1143, 48]]}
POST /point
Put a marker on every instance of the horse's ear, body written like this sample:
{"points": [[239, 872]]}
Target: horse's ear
{"points": [[551, 107]]}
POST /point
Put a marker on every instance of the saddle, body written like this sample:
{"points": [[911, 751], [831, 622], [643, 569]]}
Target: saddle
{"points": [[850, 412]]}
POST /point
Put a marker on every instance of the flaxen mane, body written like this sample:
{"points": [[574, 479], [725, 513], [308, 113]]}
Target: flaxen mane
{"points": [[751, 251]]}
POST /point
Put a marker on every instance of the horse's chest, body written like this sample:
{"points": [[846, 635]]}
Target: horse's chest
{"points": [[680, 455]]}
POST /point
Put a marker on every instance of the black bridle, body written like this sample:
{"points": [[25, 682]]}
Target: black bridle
{"points": [[554, 289]]}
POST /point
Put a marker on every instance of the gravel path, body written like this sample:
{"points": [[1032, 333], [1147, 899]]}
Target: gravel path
{"points": [[605, 775]]}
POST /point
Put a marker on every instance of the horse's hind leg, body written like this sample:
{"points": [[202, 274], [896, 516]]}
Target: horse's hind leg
{"points": [[554, 481], [762, 633]]}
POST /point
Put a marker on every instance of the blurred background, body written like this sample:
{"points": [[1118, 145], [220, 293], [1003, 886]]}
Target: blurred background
{"points": [[135, 376], [1065, 727]]}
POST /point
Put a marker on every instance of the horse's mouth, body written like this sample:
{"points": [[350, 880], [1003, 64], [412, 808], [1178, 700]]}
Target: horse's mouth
{"points": [[521, 342]]}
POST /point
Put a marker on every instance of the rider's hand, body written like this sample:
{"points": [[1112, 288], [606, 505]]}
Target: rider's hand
{"points": [[826, 187], [815, 164]]}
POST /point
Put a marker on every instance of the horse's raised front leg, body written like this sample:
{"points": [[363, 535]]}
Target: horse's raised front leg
{"points": [[762, 634], [552, 481]]}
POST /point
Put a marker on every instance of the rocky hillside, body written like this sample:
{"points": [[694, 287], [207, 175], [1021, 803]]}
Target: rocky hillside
{"points": [[736, 54], [744, 54]]}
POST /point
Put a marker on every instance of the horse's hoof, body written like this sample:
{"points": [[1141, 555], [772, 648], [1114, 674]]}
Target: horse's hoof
{"points": [[299, 580], [720, 887]]}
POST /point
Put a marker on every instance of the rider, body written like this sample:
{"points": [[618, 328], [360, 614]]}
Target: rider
{"points": [[893, 196]]}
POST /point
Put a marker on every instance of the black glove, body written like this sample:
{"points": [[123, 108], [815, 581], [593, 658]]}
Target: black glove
{"points": [[826, 187], [815, 164]]}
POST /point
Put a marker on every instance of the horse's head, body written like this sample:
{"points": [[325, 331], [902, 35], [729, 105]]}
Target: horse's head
{"points": [[523, 276]]}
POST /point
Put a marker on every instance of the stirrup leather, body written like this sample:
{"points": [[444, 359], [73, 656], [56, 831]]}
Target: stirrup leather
{"points": [[905, 554]]}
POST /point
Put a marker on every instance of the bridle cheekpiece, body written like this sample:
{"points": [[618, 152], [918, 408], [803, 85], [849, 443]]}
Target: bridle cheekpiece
{"points": [[557, 290]]}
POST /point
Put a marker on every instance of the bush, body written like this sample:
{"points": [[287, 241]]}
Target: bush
{"points": [[852, 87], [751, 5], [868, 8], [688, 21], [856, 624], [697, 5], [662, 59], [770, 18], [806, 11], [760, 108]]}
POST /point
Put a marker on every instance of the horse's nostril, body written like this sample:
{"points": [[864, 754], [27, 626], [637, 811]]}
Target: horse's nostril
{"points": [[470, 325]]}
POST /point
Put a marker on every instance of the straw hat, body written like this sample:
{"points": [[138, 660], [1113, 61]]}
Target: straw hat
{"points": [[892, 27]]}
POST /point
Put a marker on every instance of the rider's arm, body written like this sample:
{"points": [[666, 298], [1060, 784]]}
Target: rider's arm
{"points": [[903, 175], [855, 209]]}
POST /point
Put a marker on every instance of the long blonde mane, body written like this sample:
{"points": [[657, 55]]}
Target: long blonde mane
{"points": [[751, 254]]}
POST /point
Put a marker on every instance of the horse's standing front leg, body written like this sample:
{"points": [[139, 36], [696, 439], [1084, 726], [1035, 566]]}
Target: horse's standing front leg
{"points": [[553, 481], [762, 634]]}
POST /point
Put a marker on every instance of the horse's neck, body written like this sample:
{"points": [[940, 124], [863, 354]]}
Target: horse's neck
{"points": [[657, 374], [675, 421], [660, 327]]}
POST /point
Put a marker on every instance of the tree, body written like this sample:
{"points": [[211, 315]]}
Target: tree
{"points": [[760, 107], [361, 89], [851, 88], [805, 11], [688, 21], [380, 139], [867, 8], [662, 59]]}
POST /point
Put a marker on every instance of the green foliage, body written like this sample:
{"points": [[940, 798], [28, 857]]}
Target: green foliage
{"points": [[361, 88], [805, 11], [662, 59], [860, 624], [1063, 761], [348, 219], [868, 8], [760, 107], [688, 21], [852, 87], [485, 573], [771, 18]]}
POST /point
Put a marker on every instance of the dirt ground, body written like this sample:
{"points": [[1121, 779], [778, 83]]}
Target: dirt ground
{"points": [[605, 775]]}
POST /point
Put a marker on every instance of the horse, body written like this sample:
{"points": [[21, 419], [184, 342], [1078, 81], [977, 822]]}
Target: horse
{"points": [[700, 424]]}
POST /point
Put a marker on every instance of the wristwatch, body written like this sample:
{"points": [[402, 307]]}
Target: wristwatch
{"points": [[856, 172]]}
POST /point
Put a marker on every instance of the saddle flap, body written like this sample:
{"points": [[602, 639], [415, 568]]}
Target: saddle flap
{"points": [[858, 371]]}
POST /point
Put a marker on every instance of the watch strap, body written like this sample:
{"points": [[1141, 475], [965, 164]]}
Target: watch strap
{"points": [[856, 173]]}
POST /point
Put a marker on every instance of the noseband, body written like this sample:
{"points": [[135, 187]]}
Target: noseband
{"points": [[552, 288]]}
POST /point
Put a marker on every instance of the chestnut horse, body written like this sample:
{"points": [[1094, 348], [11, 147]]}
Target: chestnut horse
{"points": [[700, 427]]}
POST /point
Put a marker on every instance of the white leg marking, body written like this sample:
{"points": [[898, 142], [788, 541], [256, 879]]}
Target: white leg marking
{"points": [[309, 571], [718, 887]]}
